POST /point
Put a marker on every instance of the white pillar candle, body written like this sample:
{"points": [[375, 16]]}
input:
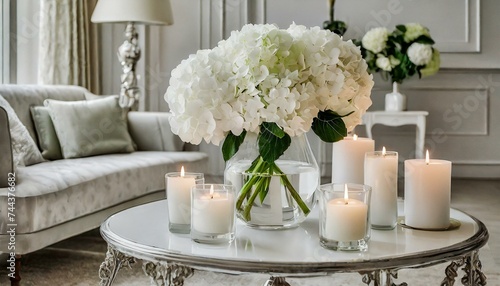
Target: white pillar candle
{"points": [[427, 193], [348, 156], [213, 213], [381, 173], [179, 196], [346, 219]]}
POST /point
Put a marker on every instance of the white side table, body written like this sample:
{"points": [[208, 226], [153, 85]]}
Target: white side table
{"points": [[398, 118]]}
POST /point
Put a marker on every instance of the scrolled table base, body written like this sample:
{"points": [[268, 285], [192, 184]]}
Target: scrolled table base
{"points": [[472, 267], [171, 274], [381, 278], [276, 281], [114, 261], [166, 274]]}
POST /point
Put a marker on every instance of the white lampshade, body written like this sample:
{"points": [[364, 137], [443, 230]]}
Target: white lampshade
{"points": [[157, 12]]}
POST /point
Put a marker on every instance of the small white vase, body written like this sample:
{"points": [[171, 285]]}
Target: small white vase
{"points": [[395, 101]]}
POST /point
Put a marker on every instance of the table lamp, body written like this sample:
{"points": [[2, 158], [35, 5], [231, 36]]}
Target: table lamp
{"points": [[154, 12]]}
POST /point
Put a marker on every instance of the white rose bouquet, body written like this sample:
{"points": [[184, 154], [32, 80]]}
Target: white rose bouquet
{"points": [[272, 82], [402, 53]]}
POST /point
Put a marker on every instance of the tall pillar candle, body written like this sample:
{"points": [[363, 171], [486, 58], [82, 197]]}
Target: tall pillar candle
{"points": [[427, 193], [348, 156], [381, 173]]}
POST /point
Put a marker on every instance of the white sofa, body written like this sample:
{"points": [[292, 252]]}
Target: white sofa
{"points": [[59, 199]]}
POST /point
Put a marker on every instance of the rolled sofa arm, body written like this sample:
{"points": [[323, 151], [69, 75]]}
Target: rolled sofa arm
{"points": [[6, 161], [151, 132]]}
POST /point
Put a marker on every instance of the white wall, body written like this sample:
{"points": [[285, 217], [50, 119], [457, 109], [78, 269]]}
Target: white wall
{"points": [[463, 98]]}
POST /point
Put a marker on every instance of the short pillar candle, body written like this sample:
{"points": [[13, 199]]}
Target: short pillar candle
{"points": [[427, 193], [348, 157]]}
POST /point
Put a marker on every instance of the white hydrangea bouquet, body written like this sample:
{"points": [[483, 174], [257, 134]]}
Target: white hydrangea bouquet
{"points": [[275, 83], [400, 54]]}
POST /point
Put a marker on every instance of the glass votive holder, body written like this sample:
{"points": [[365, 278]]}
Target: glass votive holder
{"points": [[344, 218], [381, 174], [213, 213], [178, 188]]}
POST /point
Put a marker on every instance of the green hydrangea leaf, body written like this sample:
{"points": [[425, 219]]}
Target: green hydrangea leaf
{"points": [[329, 126], [402, 28], [272, 141], [232, 144], [423, 39]]}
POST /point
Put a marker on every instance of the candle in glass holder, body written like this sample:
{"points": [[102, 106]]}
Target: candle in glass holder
{"points": [[348, 157], [381, 173], [427, 193], [178, 185], [344, 216], [213, 213]]}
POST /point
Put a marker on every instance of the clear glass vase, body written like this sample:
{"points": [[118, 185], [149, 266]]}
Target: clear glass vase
{"points": [[278, 199]]}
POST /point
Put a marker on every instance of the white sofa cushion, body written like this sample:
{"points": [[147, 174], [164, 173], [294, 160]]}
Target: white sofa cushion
{"points": [[90, 127], [46, 134], [58, 191], [24, 149]]}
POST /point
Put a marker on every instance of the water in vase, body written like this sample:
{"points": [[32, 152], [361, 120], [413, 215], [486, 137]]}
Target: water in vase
{"points": [[278, 209]]}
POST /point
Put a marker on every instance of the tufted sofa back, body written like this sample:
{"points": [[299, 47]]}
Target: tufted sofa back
{"points": [[22, 97]]}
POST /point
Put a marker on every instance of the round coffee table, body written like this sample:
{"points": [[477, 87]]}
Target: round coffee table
{"points": [[142, 233]]}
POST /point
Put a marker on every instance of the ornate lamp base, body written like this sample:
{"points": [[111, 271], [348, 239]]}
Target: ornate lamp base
{"points": [[128, 55]]}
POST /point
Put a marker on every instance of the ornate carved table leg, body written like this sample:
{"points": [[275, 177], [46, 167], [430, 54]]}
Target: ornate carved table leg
{"points": [[114, 261], [381, 277], [451, 272], [369, 277], [473, 273], [276, 281], [165, 274], [389, 275]]}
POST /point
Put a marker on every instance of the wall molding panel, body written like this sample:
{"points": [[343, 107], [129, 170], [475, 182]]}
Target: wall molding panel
{"points": [[462, 98], [459, 33], [459, 111]]}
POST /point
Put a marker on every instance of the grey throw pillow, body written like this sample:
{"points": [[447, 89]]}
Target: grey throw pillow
{"points": [[24, 149], [90, 127], [47, 137]]}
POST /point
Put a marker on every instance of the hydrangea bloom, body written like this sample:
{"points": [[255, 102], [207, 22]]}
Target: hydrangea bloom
{"points": [[401, 54], [415, 30], [375, 40], [420, 54], [266, 74], [383, 63]]}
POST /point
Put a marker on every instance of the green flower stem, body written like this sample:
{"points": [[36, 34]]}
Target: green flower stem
{"points": [[261, 173], [258, 189], [256, 165], [293, 192]]}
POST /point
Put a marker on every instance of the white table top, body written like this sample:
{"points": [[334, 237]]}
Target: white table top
{"points": [[142, 232]]}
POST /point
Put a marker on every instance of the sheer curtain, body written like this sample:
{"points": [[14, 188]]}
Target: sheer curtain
{"points": [[68, 52]]}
